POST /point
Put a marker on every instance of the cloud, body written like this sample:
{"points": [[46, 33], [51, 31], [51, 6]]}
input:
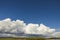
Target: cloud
{"points": [[7, 25], [56, 34], [31, 28], [42, 29], [38, 29], [18, 26], [6, 35]]}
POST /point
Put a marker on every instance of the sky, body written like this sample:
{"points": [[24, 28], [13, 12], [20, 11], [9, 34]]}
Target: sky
{"points": [[16, 28], [32, 11]]}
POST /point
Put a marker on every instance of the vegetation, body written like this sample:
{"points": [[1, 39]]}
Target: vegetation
{"points": [[33, 38], [7, 39], [22, 38]]}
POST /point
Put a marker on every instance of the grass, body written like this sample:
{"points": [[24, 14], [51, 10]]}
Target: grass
{"points": [[35, 38], [7, 39], [22, 39]]}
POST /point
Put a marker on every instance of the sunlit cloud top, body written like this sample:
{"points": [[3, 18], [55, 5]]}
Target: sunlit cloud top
{"points": [[18, 26]]}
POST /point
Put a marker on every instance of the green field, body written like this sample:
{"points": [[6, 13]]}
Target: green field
{"points": [[26, 39], [22, 39]]}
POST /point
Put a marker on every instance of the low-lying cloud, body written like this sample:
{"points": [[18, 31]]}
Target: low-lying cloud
{"points": [[18, 26], [38, 29]]}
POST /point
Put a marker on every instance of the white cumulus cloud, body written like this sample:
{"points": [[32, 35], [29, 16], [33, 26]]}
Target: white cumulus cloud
{"points": [[18, 26], [7, 25], [38, 29]]}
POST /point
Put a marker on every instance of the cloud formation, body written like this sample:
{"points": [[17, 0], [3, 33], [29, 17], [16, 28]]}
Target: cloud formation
{"points": [[7, 25], [38, 29], [18, 26]]}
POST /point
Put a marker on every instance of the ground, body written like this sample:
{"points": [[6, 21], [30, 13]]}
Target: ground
{"points": [[22, 39], [26, 39]]}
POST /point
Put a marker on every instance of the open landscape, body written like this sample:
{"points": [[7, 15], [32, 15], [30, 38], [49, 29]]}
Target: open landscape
{"points": [[29, 39], [22, 39], [29, 19]]}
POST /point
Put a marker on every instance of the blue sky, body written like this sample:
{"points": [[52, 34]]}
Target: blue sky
{"points": [[32, 11]]}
